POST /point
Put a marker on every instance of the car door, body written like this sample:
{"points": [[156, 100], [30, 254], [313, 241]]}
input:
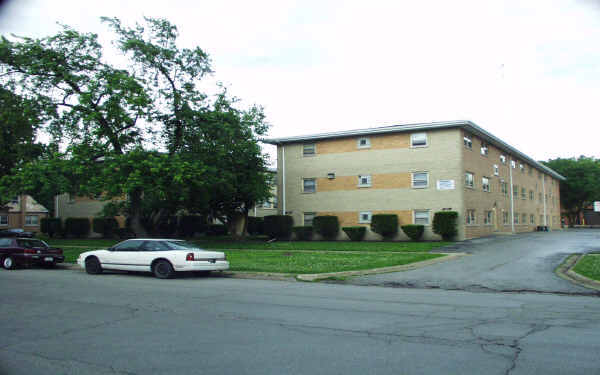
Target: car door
{"points": [[151, 250], [123, 256]]}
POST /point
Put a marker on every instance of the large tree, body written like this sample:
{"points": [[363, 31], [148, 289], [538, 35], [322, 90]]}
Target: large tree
{"points": [[582, 186]]}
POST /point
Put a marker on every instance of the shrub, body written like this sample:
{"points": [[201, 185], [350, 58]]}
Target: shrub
{"points": [[355, 233], [216, 230], [191, 224], [386, 225], [167, 226], [327, 226], [303, 233], [413, 231], [256, 225], [51, 226], [125, 233], [77, 226], [445, 224], [107, 226], [278, 226]]}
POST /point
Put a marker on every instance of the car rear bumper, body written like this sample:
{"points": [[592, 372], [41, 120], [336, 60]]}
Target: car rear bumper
{"points": [[219, 265], [28, 259]]}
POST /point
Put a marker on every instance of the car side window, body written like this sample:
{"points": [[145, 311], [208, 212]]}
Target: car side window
{"points": [[128, 246], [5, 242], [154, 246]]}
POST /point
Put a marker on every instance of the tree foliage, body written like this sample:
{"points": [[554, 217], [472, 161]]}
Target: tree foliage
{"points": [[582, 184]]}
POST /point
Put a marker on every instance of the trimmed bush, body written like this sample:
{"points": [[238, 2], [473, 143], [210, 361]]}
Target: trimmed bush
{"points": [[107, 226], [413, 231], [191, 224], [167, 226], [125, 233], [216, 230], [51, 226], [256, 225], [327, 226], [278, 226], [445, 224], [355, 233], [77, 226], [303, 233], [386, 225]]}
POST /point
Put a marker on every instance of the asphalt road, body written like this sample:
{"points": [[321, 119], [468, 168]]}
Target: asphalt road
{"points": [[523, 262], [68, 322]]}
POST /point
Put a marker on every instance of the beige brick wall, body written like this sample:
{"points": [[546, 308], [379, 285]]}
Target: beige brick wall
{"points": [[378, 142], [390, 169]]}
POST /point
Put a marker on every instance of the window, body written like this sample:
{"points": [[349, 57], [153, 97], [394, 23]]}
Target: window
{"points": [[524, 219], [488, 218], [15, 200], [308, 218], [422, 217], [309, 149], [364, 143], [32, 220], [468, 141], [5, 242], [364, 217], [522, 168], [470, 217], [532, 219], [469, 180], [523, 193], [3, 219], [130, 245], [540, 197], [516, 218], [505, 218], [496, 171], [485, 184], [418, 140], [515, 192], [484, 148], [513, 164], [504, 187], [530, 171], [541, 220], [309, 185], [364, 180], [531, 195], [420, 180], [503, 159]]}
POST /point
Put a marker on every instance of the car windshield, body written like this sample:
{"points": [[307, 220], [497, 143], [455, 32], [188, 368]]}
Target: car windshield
{"points": [[31, 243], [181, 245]]}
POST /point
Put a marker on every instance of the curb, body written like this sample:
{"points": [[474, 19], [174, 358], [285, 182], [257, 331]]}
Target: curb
{"points": [[565, 271], [402, 268]]}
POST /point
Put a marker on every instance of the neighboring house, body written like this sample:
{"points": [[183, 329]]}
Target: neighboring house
{"points": [[268, 207], [414, 171], [67, 206], [22, 212]]}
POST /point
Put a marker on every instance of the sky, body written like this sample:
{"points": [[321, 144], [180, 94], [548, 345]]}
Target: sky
{"points": [[526, 71]]}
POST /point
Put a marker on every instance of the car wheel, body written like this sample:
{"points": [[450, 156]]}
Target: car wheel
{"points": [[92, 266], [8, 263], [163, 269]]}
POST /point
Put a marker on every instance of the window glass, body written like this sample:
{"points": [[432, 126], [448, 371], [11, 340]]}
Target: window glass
{"points": [[309, 149], [364, 143], [309, 185], [31, 220], [469, 179], [487, 218], [422, 217], [505, 218], [532, 219], [5, 242], [154, 246], [364, 217], [470, 217], [503, 159], [364, 180], [3, 219], [420, 179], [485, 184], [484, 148], [26, 242], [468, 141], [418, 139], [129, 245], [496, 171]]}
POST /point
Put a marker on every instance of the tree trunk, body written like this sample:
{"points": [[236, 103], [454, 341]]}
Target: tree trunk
{"points": [[236, 224], [136, 214]]}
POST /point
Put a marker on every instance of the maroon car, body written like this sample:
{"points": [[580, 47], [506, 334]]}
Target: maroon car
{"points": [[28, 251]]}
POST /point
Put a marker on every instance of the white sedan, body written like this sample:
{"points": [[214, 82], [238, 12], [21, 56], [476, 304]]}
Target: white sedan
{"points": [[162, 257]]}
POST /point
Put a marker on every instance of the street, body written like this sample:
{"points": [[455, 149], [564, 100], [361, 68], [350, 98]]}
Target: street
{"points": [[67, 322]]}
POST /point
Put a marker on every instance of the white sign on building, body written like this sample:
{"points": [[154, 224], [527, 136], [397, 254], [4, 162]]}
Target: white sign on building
{"points": [[446, 185], [596, 206]]}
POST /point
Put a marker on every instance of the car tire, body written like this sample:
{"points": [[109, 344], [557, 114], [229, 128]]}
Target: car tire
{"points": [[162, 269], [93, 266], [8, 263]]}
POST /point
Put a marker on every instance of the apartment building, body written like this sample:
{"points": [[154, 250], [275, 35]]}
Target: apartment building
{"points": [[413, 171]]}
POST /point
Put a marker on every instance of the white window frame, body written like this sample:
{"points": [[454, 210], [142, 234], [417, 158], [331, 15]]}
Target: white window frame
{"points": [[513, 164], [367, 142], [304, 185], [496, 170], [361, 220], [485, 149], [364, 184], [28, 220], [4, 223], [522, 167], [412, 179], [503, 159], [471, 217], [472, 178], [415, 137], [425, 216], [307, 145], [485, 184], [304, 216], [468, 141]]}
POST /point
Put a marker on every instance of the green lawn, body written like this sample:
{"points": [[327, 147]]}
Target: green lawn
{"points": [[589, 266], [323, 245]]}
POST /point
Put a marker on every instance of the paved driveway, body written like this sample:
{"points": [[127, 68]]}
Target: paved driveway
{"points": [[523, 262]]}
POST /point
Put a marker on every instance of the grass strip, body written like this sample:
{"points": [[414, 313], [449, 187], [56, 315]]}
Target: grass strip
{"points": [[324, 245], [589, 266]]}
